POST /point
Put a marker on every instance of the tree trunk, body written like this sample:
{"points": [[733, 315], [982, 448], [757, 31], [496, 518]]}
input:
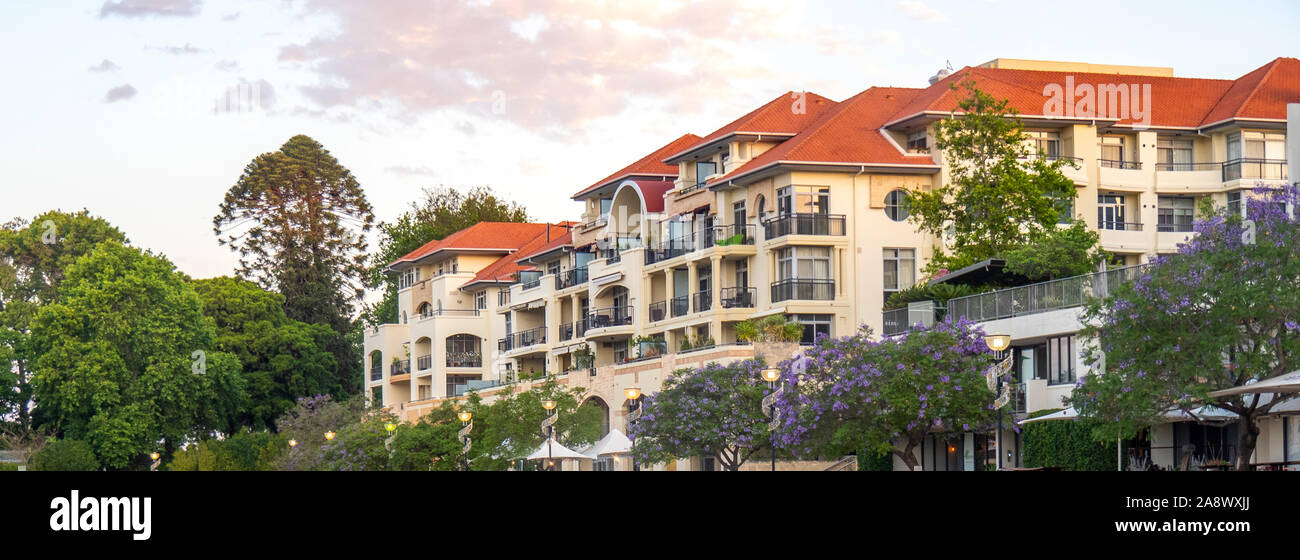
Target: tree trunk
{"points": [[1247, 437], [907, 456]]}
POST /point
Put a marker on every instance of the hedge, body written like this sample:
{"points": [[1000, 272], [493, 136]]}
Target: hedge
{"points": [[1067, 444]]}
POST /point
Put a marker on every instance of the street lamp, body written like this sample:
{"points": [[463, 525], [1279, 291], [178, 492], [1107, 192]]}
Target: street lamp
{"points": [[154, 456], [633, 395], [771, 375], [998, 343], [549, 424], [390, 427], [293, 443], [465, 417], [329, 436]]}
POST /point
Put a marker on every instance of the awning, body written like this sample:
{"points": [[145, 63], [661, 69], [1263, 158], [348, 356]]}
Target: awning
{"points": [[1067, 414], [614, 443], [534, 304], [1205, 413], [606, 279], [1285, 383], [555, 451]]}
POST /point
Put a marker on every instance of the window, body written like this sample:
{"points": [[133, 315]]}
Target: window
{"points": [[896, 206], [809, 263], [603, 464], [742, 273], [1234, 146], [708, 464], [814, 326], [1174, 153], [605, 204], [916, 143], [553, 268], [1044, 144], [738, 216], [1065, 209], [1110, 212], [464, 350], [1031, 362], [1060, 360], [480, 299], [1174, 213], [803, 200], [1111, 148], [1234, 202], [900, 270], [703, 169]]}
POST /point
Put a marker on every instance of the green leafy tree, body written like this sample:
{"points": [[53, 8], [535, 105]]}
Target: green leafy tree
{"points": [[998, 197], [773, 328], [282, 359], [1222, 312], [306, 424], [125, 358], [33, 258], [429, 444], [714, 411], [360, 446], [298, 220], [1057, 253], [65, 455], [1068, 445], [509, 428], [443, 211], [242, 451], [855, 393]]}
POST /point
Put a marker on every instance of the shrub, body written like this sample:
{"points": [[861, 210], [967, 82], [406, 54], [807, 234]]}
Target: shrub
{"points": [[1066, 444], [66, 455]]}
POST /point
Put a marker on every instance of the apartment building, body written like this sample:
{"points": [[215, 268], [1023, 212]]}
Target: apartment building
{"points": [[798, 208]]}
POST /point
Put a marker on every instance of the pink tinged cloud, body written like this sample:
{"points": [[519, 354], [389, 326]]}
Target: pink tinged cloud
{"points": [[150, 8], [120, 93], [538, 64]]}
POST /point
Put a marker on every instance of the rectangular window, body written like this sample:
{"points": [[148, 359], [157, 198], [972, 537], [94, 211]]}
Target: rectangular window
{"points": [[1234, 146], [1234, 202], [1060, 360], [553, 268], [900, 270], [916, 143], [808, 263], [803, 199], [738, 216], [703, 169], [1111, 148], [480, 299], [1044, 144], [1110, 212], [1174, 153], [814, 325], [605, 204], [1174, 213]]}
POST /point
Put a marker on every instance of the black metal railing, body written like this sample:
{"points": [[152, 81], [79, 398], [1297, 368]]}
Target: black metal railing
{"points": [[1119, 164], [670, 249], [1254, 168], [737, 297], [467, 359], [524, 339], [1178, 227], [566, 331], [658, 311], [423, 362], [611, 256], [894, 321], [736, 234], [680, 305], [400, 367], [820, 290], [703, 300], [571, 277], [609, 317], [1189, 166], [1061, 293], [531, 284], [1119, 226], [448, 313], [804, 224], [691, 188], [376, 372]]}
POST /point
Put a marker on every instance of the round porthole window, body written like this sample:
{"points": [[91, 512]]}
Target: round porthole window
{"points": [[896, 205]]}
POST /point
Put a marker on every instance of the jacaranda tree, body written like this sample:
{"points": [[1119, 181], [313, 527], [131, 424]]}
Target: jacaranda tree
{"points": [[1221, 312], [855, 393], [714, 411]]}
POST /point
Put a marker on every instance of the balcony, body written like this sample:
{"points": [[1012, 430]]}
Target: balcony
{"points": [[466, 359], [804, 224], [1188, 166], [680, 305], [703, 300], [1119, 226], [376, 372], [609, 317], [570, 278], [921, 314], [737, 298], [1063, 293], [566, 331], [658, 311], [450, 313], [1119, 164], [424, 362], [530, 337], [1175, 227], [1188, 177], [725, 236], [670, 249], [815, 290], [399, 367], [1254, 168], [531, 284]]}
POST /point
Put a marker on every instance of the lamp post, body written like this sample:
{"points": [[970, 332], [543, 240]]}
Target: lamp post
{"points": [[465, 417], [549, 424], [293, 443], [998, 343], [154, 457], [771, 376], [633, 395], [329, 436]]}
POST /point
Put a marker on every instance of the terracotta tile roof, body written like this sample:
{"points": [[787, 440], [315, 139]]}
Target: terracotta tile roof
{"points": [[848, 133], [1261, 94], [774, 117], [505, 237], [649, 166], [556, 242], [505, 267]]}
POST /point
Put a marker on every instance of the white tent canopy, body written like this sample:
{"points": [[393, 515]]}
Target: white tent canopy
{"points": [[1285, 383], [1205, 413], [1067, 414], [614, 443], [556, 451]]}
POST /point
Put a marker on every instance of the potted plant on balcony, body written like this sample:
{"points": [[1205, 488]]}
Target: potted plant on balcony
{"points": [[583, 357], [773, 336]]}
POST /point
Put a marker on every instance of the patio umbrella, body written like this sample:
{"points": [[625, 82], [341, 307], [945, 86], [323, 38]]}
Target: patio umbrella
{"points": [[556, 451], [1205, 413], [614, 443], [1285, 383], [1067, 414]]}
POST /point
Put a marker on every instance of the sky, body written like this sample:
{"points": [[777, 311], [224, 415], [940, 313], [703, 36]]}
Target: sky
{"points": [[145, 112]]}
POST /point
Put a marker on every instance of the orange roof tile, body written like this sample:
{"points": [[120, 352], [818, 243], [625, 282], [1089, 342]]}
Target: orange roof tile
{"points": [[505, 237], [506, 266], [774, 117], [555, 243], [1261, 94], [652, 165]]}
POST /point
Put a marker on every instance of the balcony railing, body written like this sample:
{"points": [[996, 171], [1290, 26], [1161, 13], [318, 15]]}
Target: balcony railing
{"points": [[1183, 227], [820, 290], [571, 277], [376, 372], [449, 313], [736, 234], [1063, 293], [611, 256], [1119, 164], [423, 362], [594, 223], [466, 359], [531, 284], [1119, 226], [703, 300], [1188, 166], [566, 331], [670, 249], [737, 298], [680, 305], [1254, 168], [609, 317], [804, 224], [399, 367], [658, 311], [524, 339]]}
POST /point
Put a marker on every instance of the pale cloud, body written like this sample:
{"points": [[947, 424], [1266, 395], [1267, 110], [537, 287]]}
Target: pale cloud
{"points": [[918, 10], [119, 93], [230, 17], [105, 66], [150, 8], [226, 65], [414, 171], [181, 50], [549, 66]]}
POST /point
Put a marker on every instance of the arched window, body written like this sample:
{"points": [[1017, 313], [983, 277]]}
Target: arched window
{"points": [[896, 206], [464, 350], [423, 309]]}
